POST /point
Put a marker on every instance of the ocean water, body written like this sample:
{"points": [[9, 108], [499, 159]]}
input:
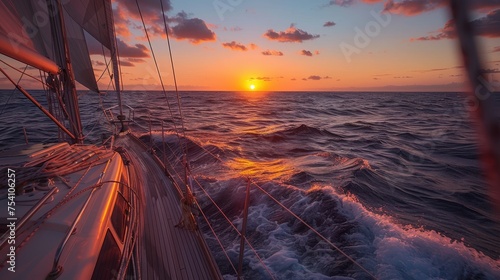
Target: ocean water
{"points": [[392, 179]]}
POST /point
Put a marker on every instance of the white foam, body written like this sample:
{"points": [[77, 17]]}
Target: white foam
{"points": [[385, 248], [403, 252]]}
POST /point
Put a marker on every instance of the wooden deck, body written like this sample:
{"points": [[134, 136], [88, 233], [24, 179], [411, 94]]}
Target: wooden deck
{"points": [[166, 252]]}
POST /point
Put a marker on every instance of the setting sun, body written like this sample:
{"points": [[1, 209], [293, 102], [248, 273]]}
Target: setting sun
{"points": [[252, 87]]}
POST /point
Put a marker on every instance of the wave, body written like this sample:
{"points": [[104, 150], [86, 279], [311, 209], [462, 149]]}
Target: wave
{"points": [[386, 248], [301, 132], [176, 145]]}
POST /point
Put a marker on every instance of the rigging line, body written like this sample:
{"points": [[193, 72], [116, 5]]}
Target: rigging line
{"points": [[33, 100], [213, 202], [160, 78], [102, 46], [216, 238], [94, 125], [203, 148], [301, 220], [258, 257], [187, 168], [173, 68], [231, 223], [156, 63], [105, 70], [113, 41], [281, 205], [15, 69], [176, 174], [119, 65], [47, 93], [312, 229], [45, 88], [286, 209], [14, 90]]}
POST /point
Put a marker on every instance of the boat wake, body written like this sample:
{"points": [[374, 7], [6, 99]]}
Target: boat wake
{"points": [[292, 251], [288, 249]]}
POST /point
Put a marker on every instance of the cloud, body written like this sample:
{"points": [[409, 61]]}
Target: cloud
{"points": [[150, 9], [316, 78], [126, 12], [125, 50], [416, 7], [496, 49], [122, 22], [127, 18], [137, 51], [126, 63], [130, 61], [341, 3], [292, 34], [306, 53], [136, 60], [265, 79], [348, 3], [193, 29], [235, 46], [98, 63], [489, 71], [484, 6], [438, 69], [233, 29], [329, 24], [403, 77], [271, 52], [486, 26], [489, 25], [447, 32], [413, 7]]}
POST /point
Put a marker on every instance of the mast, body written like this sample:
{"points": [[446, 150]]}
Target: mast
{"points": [[114, 59], [67, 76]]}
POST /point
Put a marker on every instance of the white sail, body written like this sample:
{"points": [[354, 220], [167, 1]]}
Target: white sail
{"points": [[27, 37], [21, 34], [79, 54], [91, 15]]}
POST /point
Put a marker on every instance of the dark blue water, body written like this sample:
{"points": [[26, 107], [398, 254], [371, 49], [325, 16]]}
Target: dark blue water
{"points": [[392, 179]]}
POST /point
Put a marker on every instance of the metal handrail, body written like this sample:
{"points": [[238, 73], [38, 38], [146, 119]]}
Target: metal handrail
{"points": [[28, 215], [56, 269]]}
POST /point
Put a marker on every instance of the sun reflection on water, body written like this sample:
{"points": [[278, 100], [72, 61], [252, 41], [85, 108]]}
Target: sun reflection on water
{"points": [[263, 170]]}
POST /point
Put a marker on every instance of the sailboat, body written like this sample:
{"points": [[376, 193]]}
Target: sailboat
{"points": [[76, 211]]}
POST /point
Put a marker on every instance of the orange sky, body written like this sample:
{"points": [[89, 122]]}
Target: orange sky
{"points": [[344, 45]]}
